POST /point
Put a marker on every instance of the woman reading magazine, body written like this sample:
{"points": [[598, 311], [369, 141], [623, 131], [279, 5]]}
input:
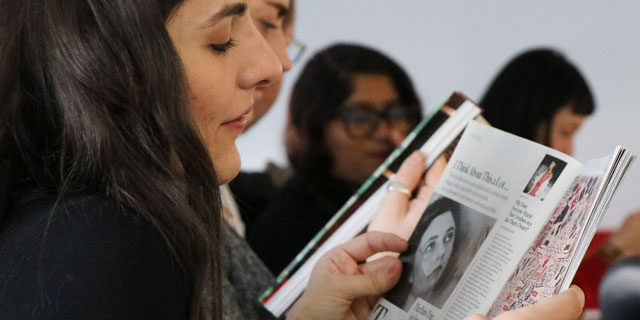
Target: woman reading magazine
{"points": [[112, 113]]}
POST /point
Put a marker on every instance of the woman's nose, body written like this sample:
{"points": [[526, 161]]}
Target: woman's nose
{"points": [[440, 251], [386, 131], [261, 66], [281, 52]]}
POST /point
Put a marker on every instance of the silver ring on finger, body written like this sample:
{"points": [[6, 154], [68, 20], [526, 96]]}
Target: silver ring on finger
{"points": [[398, 187]]}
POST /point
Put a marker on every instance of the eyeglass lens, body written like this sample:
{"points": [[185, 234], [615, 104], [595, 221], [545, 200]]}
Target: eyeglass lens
{"points": [[295, 49], [362, 120]]}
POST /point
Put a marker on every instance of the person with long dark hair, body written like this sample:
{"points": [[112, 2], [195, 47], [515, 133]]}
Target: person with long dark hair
{"points": [[350, 108], [111, 114]]}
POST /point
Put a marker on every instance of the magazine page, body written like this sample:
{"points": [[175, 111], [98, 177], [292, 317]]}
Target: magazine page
{"points": [[542, 271], [491, 202], [432, 136]]}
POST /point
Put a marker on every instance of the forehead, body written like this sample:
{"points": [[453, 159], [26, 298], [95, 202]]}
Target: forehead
{"points": [[280, 6], [440, 225], [375, 88], [196, 11], [566, 117], [200, 14]]}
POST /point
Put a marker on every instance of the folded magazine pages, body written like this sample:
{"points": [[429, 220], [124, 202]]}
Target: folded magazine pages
{"points": [[435, 135], [506, 227]]}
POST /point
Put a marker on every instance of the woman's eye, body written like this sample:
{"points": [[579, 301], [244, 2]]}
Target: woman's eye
{"points": [[268, 26], [429, 247], [358, 118], [223, 47], [449, 236]]}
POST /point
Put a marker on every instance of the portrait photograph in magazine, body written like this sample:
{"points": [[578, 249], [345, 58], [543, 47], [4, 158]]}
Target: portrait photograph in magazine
{"points": [[544, 177], [442, 246]]}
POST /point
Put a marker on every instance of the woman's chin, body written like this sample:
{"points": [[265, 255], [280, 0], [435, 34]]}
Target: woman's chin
{"points": [[227, 166]]}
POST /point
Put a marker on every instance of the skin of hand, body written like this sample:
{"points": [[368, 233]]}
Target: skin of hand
{"points": [[564, 306], [627, 238], [397, 214], [342, 288]]}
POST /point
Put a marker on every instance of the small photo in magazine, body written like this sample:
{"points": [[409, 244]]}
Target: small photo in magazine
{"points": [[544, 177], [442, 246]]}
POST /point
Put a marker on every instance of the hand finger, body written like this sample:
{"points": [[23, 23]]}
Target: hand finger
{"points": [[424, 192], [381, 255], [365, 245], [435, 172], [375, 265], [360, 308], [476, 317], [372, 301], [564, 306], [373, 283], [408, 174], [411, 170]]}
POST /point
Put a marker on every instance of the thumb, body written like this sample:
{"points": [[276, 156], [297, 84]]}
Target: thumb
{"points": [[378, 277], [564, 306], [476, 317]]}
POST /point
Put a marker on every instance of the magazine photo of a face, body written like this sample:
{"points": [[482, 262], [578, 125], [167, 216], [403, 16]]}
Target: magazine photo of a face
{"points": [[440, 249], [544, 177]]}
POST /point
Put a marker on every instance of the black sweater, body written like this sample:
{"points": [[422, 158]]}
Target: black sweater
{"points": [[86, 259], [302, 207], [89, 259]]}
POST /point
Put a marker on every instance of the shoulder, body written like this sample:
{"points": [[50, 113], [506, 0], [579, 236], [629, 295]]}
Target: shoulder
{"points": [[86, 257]]}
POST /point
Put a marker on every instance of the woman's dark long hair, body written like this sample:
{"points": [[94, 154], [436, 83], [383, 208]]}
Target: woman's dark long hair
{"points": [[94, 99], [325, 83], [531, 88]]}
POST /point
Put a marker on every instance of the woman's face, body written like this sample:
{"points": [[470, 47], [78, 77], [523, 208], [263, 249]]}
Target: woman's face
{"points": [[225, 60], [433, 253], [564, 126], [355, 159], [269, 16]]}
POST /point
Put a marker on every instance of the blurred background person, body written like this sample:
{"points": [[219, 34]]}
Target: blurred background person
{"points": [[350, 108], [275, 21], [539, 95]]}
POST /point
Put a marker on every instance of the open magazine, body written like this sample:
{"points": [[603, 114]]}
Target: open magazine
{"points": [[435, 135], [506, 227]]}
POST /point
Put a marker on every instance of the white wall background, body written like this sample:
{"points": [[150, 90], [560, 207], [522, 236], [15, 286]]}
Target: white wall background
{"points": [[460, 45]]}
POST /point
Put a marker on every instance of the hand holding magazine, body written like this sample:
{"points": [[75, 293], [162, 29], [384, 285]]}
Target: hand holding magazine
{"points": [[435, 135], [506, 227]]}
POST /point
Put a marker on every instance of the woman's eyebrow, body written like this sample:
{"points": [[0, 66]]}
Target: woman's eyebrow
{"points": [[236, 9], [282, 10]]}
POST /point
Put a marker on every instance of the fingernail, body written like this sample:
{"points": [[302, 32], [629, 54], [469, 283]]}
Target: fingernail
{"points": [[416, 157]]}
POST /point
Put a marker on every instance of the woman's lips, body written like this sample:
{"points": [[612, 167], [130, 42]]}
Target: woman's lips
{"points": [[240, 122], [436, 272]]}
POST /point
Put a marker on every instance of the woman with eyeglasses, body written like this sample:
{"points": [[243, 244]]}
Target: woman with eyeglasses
{"points": [[350, 108]]}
